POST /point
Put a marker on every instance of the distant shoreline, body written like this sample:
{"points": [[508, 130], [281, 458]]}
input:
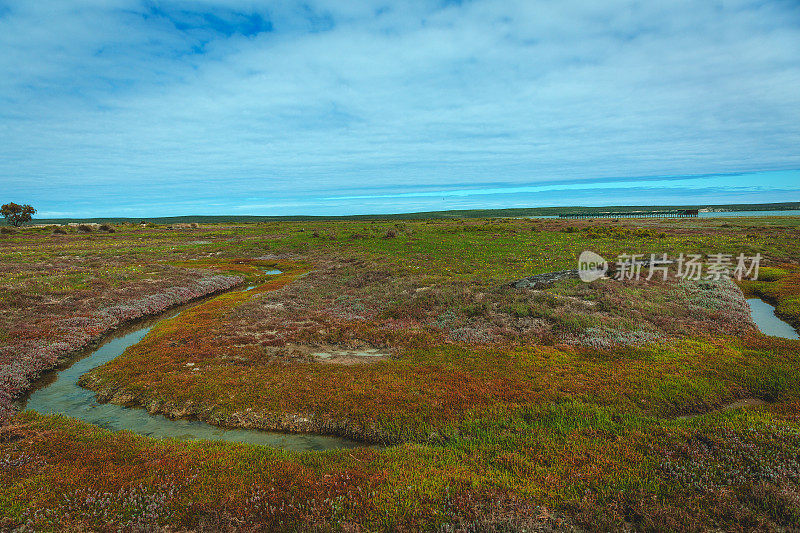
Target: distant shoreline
{"points": [[519, 212]]}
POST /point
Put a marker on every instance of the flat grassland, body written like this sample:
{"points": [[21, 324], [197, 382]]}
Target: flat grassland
{"points": [[640, 404]]}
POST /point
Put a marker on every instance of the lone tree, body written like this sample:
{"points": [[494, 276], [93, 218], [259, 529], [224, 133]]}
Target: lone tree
{"points": [[17, 214]]}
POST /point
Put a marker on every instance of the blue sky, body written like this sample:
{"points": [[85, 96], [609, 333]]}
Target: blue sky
{"points": [[145, 108]]}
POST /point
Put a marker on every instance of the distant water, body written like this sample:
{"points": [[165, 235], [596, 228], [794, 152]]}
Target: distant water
{"points": [[786, 213], [728, 214]]}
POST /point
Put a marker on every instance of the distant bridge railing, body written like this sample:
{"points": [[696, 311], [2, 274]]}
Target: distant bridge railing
{"points": [[673, 213]]}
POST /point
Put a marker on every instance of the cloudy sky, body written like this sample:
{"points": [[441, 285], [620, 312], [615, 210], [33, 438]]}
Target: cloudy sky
{"points": [[144, 108]]}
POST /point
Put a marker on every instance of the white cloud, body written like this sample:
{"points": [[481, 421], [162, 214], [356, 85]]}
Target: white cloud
{"points": [[129, 101]]}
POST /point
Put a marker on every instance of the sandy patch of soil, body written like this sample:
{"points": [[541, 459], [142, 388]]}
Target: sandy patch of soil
{"points": [[328, 354]]}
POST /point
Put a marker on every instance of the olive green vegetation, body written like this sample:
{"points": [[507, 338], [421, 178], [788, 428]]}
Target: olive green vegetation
{"points": [[503, 435]]}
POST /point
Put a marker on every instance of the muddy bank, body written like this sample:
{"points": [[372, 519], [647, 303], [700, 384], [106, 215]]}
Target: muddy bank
{"points": [[247, 419]]}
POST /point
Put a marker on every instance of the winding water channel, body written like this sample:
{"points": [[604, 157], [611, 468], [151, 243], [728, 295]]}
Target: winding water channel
{"points": [[59, 393]]}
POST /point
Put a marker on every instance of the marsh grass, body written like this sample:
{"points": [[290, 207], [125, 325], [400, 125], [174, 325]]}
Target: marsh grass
{"points": [[503, 409]]}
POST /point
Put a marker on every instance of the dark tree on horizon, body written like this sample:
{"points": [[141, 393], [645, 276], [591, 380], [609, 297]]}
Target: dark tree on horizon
{"points": [[16, 214]]}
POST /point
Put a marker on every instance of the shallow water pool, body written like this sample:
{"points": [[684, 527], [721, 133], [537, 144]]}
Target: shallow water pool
{"points": [[768, 323]]}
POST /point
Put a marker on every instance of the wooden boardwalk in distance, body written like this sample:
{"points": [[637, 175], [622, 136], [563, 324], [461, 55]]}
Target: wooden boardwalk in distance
{"points": [[672, 213]]}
